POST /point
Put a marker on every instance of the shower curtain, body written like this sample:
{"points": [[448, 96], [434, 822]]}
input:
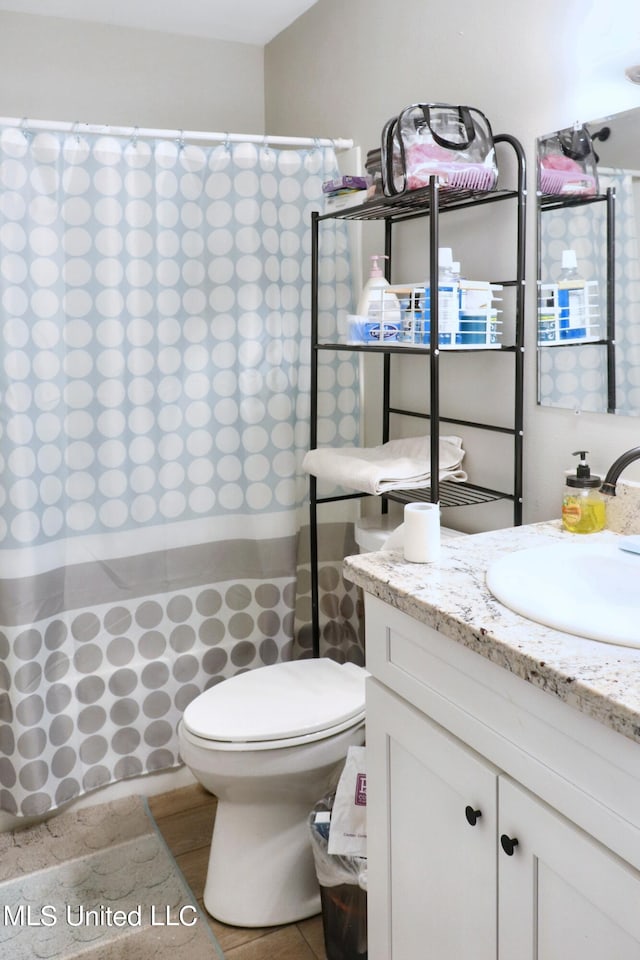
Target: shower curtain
{"points": [[155, 318]]}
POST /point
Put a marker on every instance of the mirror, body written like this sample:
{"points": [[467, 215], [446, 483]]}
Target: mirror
{"points": [[589, 218]]}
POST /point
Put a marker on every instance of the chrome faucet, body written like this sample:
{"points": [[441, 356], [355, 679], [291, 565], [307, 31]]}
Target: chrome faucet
{"points": [[616, 468]]}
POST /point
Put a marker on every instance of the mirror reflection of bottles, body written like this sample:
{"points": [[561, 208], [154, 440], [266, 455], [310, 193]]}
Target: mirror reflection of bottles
{"points": [[548, 327], [571, 299], [568, 310]]}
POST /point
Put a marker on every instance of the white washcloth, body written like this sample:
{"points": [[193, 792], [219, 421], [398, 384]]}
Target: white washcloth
{"points": [[396, 465]]}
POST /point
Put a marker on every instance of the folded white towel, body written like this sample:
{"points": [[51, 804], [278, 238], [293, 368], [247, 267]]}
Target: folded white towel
{"points": [[396, 465]]}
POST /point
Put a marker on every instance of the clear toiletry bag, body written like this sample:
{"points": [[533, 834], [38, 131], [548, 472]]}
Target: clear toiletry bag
{"points": [[454, 143], [567, 164]]}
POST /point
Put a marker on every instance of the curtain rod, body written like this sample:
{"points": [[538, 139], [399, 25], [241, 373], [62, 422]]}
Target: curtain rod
{"points": [[181, 135]]}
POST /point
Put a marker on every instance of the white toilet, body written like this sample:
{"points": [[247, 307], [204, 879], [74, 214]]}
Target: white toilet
{"points": [[267, 743]]}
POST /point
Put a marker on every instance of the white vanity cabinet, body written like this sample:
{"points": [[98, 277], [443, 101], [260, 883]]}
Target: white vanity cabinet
{"points": [[561, 895], [501, 821], [432, 878]]}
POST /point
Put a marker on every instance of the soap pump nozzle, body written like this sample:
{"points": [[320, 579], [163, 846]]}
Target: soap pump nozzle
{"points": [[583, 476], [376, 269], [583, 469]]}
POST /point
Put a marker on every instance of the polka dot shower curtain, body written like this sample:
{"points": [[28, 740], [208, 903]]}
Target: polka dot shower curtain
{"points": [[155, 319]]}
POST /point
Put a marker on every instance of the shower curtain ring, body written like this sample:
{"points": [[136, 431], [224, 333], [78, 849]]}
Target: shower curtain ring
{"points": [[180, 140], [24, 129], [134, 137]]}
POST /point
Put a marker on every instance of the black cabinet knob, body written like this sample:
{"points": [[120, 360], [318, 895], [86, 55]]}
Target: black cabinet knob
{"points": [[509, 844], [472, 815]]}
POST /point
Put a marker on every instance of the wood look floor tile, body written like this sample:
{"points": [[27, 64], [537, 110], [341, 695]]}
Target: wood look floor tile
{"points": [[193, 865], [231, 937], [177, 801], [313, 933], [189, 830], [284, 943]]}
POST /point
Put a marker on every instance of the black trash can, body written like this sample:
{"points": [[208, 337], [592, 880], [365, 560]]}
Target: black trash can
{"points": [[343, 893]]}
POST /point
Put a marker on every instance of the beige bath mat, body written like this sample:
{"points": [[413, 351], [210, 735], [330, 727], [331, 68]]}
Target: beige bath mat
{"points": [[98, 884]]}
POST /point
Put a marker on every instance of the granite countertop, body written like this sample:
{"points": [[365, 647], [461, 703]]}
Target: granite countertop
{"points": [[451, 596]]}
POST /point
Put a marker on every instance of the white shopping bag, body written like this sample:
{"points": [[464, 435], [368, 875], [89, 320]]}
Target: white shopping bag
{"points": [[348, 831]]}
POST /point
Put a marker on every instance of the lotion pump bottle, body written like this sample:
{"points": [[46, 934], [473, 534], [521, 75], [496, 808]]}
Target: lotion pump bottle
{"points": [[583, 506], [371, 290], [377, 302]]}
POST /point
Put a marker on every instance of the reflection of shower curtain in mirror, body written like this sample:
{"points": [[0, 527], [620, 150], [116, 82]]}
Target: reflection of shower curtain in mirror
{"points": [[155, 398], [575, 377]]}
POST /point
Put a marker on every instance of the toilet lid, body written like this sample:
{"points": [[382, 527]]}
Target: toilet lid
{"points": [[278, 702]]}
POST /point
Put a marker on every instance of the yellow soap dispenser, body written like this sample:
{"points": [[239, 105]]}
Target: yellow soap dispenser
{"points": [[583, 506]]}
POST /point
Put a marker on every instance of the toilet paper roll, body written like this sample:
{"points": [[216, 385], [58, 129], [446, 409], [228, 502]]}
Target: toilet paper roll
{"points": [[422, 532]]}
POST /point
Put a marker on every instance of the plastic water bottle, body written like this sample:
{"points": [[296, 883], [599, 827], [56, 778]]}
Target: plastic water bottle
{"points": [[448, 298], [571, 299]]}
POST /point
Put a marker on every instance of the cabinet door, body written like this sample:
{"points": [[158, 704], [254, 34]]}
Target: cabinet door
{"points": [[562, 896], [432, 874]]}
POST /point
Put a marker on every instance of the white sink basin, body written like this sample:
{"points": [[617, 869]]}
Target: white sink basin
{"points": [[588, 589]]}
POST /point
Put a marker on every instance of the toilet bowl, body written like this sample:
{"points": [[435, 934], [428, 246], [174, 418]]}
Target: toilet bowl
{"points": [[269, 743]]}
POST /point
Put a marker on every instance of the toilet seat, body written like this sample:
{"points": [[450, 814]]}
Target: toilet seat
{"points": [[278, 705]]}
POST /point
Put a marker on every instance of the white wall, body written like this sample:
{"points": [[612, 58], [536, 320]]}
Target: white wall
{"points": [[55, 69], [531, 67]]}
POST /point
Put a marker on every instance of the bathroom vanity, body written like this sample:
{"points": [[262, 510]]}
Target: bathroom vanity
{"points": [[503, 768]]}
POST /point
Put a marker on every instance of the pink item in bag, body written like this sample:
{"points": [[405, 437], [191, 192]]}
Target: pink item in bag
{"points": [[567, 164], [453, 143]]}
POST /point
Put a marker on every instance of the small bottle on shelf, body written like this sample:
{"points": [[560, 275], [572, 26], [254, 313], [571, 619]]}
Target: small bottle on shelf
{"points": [[448, 299]]}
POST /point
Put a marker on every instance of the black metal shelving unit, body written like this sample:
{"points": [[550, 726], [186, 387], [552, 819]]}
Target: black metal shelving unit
{"points": [[429, 202], [548, 201]]}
